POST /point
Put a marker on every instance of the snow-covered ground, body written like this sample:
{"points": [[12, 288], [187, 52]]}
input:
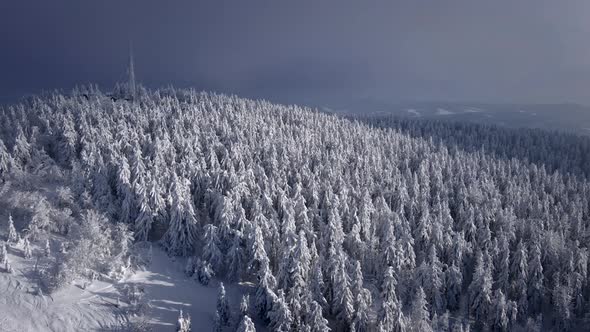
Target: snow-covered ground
{"points": [[69, 309], [166, 289]]}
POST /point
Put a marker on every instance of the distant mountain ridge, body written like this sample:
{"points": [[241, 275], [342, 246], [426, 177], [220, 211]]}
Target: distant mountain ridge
{"points": [[568, 117]]}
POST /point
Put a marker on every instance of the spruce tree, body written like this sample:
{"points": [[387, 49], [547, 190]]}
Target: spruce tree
{"points": [[419, 314], [246, 325], [3, 254], [12, 234], [27, 251], [390, 316], [317, 322], [211, 248], [280, 318], [47, 248], [223, 307], [480, 290]]}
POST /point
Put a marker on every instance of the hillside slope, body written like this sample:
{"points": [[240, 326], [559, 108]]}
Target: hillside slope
{"points": [[335, 223]]}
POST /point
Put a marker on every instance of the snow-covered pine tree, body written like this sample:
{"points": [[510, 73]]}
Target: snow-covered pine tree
{"points": [[217, 324], [125, 192], [211, 253], [184, 323], [279, 317], [264, 295], [258, 252], [536, 288], [362, 301], [294, 269], [245, 305], [5, 159], [519, 273], [246, 325], [419, 313], [235, 258], [145, 219], [480, 290], [343, 304], [223, 307], [499, 317], [12, 234], [317, 284], [562, 300], [317, 322], [3, 254], [47, 248], [441, 323], [390, 316], [203, 272], [453, 286], [8, 267], [182, 231], [361, 320], [27, 250]]}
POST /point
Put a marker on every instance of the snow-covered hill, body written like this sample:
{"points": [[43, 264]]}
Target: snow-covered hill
{"points": [[372, 224]]}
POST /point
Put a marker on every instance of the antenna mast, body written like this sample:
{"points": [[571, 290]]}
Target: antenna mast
{"points": [[131, 69]]}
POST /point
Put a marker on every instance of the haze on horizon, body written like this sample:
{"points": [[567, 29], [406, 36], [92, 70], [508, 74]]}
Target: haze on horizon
{"points": [[524, 51]]}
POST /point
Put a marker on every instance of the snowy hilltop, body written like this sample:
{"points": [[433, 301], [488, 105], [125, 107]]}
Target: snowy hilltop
{"points": [[184, 210]]}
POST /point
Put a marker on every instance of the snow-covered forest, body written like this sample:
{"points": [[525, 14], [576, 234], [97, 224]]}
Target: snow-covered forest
{"points": [[339, 224]]}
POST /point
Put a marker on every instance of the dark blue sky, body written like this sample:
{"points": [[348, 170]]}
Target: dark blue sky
{"points": [[306, 51]]}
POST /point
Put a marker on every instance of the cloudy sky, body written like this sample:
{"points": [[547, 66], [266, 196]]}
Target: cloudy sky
{"points": [[309, 51]]}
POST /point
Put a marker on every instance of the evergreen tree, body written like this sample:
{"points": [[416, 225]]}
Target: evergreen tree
{"points": [[280, 318], [12, 234], [361, 319], [144, 221], [3, 254], [519, 272], [454, 284], [498, 315], [343, 298], [441, 323], [211, 252], [419, 314], [317, 322], [480, 289], [181, 234], [47, 248], [125, 193], [295, 269], [27, 250], [264, 295], [362, 301], [184, 323], [245, 305], [235, 259], [390, 316], [536, 278], [562, 300], [217, 323], [204, 272], [223, 307], [317, 285], [258, 252], [246, 325]]}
